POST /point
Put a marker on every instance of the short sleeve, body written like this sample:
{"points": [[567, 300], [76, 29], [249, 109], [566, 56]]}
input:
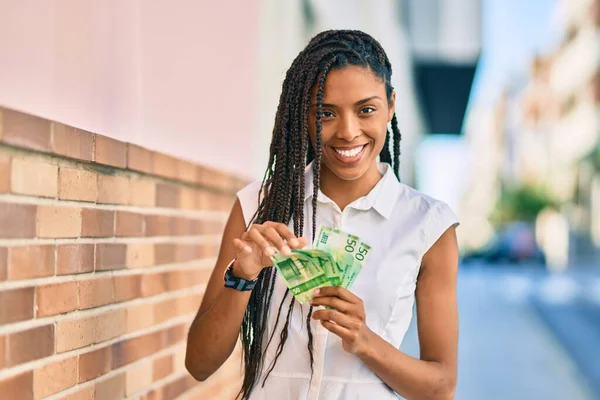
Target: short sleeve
{"points": [[249, 200], [441, 217]]}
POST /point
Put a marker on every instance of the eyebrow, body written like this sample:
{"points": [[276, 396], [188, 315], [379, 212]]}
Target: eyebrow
{"points": [[358, 103]]}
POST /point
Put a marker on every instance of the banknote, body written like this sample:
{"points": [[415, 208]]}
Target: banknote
{"points": [[304, 271], [336, 259]]}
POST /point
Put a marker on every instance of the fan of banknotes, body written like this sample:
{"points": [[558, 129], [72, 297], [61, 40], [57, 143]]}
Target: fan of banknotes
{"points": [[335, 260]]}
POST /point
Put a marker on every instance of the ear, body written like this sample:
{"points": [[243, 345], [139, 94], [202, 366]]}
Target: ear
{"points": [[391, 106]]}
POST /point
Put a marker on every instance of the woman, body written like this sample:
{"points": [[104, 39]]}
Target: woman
{"points": [[330, 164]]}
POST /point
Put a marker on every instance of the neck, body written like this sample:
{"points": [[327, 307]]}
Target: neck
{"points": [[344, 192]]}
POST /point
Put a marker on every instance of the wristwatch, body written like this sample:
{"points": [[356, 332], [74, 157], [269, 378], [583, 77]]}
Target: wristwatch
{"points": [[235, 282]]}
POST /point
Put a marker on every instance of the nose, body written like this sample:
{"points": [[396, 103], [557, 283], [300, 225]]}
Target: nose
{"points": [[348, 128]]}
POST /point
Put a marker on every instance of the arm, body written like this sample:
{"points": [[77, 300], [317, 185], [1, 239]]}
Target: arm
{"points": [[434, 375], [215, 329]]}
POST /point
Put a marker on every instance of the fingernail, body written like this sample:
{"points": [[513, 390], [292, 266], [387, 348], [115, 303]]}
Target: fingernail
{"points": [[248, 249], [294, 242], [286, 250], [269, 251], [317, 291]]}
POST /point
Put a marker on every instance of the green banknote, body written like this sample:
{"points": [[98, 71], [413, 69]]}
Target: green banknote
{"points": [[336, 260], [304, 271]]}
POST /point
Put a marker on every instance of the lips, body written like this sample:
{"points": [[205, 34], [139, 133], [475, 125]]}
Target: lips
{"points": [[349, 154]]}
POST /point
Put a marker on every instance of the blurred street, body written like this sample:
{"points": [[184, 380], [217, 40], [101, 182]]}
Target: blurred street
{"points": [[526, 334]]}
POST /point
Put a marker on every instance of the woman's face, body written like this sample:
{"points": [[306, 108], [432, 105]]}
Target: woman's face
{"points": [[355, 117]]}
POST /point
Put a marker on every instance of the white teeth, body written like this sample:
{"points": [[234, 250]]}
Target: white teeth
{"points": [[350, 153]]}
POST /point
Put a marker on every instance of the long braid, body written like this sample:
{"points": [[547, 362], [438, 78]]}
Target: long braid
{"points": [[397, 138], [282, 193]]}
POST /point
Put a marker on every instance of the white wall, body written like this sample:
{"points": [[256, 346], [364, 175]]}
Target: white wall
{"points": [[178, 77]]}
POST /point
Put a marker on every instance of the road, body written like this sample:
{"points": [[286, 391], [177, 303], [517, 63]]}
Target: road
{"points": [[526, 334]]}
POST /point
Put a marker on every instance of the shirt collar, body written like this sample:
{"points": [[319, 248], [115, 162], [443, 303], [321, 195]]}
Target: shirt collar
{"points": [[382, 197]]}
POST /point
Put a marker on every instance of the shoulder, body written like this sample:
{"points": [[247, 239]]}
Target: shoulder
{"points": [[249, 199], [433, 216]]}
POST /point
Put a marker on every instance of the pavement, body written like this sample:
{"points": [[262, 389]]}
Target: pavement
{"points": [[526, 334]]}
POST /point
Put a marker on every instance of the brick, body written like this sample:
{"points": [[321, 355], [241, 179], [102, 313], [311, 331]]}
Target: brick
{"points": [[182, 226], [26, 262], [187, 198], [74, 334], [164, 253], [185, 252], [165, 310], [3, 264], [30, 345], [138, 378], [131, 350], [140, 255], [2, 352], [94, 364], [139, 317], [186, 171], [207, 250], [164, 165], [154, 394], [167, 195], [177, 280], [111, 389], [18, 387], [110, 256], [72, 142], [54, 377], [56, 299], [77, 184], [139, 159], [97, 223], [16, 305], [34, 178], [214, 178], [179, 359], [74, 258], [113, 189], [4, 174], [188, 304], [58, 222], [86, 393], [159, 225], [153, 284], [17, 220], [162, 367], [129, 224], [111, 152], [143, 193], [109, 325], [176, 334], [95, 293], [127, 287], [23, 130]]}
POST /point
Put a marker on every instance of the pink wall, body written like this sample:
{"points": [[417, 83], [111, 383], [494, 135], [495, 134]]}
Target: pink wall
{"points": [[175, 77]]}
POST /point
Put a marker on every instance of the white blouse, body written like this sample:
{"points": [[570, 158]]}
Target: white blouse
{"points": [[400, 224]]}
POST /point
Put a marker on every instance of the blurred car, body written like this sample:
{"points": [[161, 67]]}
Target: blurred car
{"points": [[514, 243]]}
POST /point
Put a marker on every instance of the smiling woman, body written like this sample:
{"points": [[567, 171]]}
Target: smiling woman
{"points": [[331, 164]]}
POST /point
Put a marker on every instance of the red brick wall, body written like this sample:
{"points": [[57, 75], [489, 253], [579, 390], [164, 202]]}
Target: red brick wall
{"points": [[105, 250]]}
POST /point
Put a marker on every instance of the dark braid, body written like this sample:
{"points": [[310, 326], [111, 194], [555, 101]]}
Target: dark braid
{"points": [[282, 193]]}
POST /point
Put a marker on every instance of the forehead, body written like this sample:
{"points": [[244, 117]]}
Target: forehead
{"points": [[350, 84]]}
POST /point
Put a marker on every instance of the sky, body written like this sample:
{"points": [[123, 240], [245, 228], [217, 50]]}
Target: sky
{"points": [[513, 31]]}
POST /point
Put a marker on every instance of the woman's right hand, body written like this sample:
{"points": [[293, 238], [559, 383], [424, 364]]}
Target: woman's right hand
{"points": [[256, 246]]}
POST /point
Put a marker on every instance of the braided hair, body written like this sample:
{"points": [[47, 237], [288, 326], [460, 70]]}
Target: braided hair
{"points": [[281, 196]]}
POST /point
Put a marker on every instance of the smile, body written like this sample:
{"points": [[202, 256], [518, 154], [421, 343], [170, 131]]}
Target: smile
{"points": [[349, 154]]}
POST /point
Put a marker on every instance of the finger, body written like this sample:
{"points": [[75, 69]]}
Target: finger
{"points": [[334, 302], [334, 316], [342, 332], [242, 247], [256, 236], [287, 234], [337, 291], [274, 237]]}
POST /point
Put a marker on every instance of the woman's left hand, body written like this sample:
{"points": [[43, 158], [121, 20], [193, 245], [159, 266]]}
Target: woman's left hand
{"points": [[347, 318]]}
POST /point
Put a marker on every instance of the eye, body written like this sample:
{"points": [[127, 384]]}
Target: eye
{"points": [[327, 114], [367, 110]]}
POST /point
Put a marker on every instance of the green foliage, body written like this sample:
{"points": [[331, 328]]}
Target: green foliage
{"points": [[521, 203]]}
